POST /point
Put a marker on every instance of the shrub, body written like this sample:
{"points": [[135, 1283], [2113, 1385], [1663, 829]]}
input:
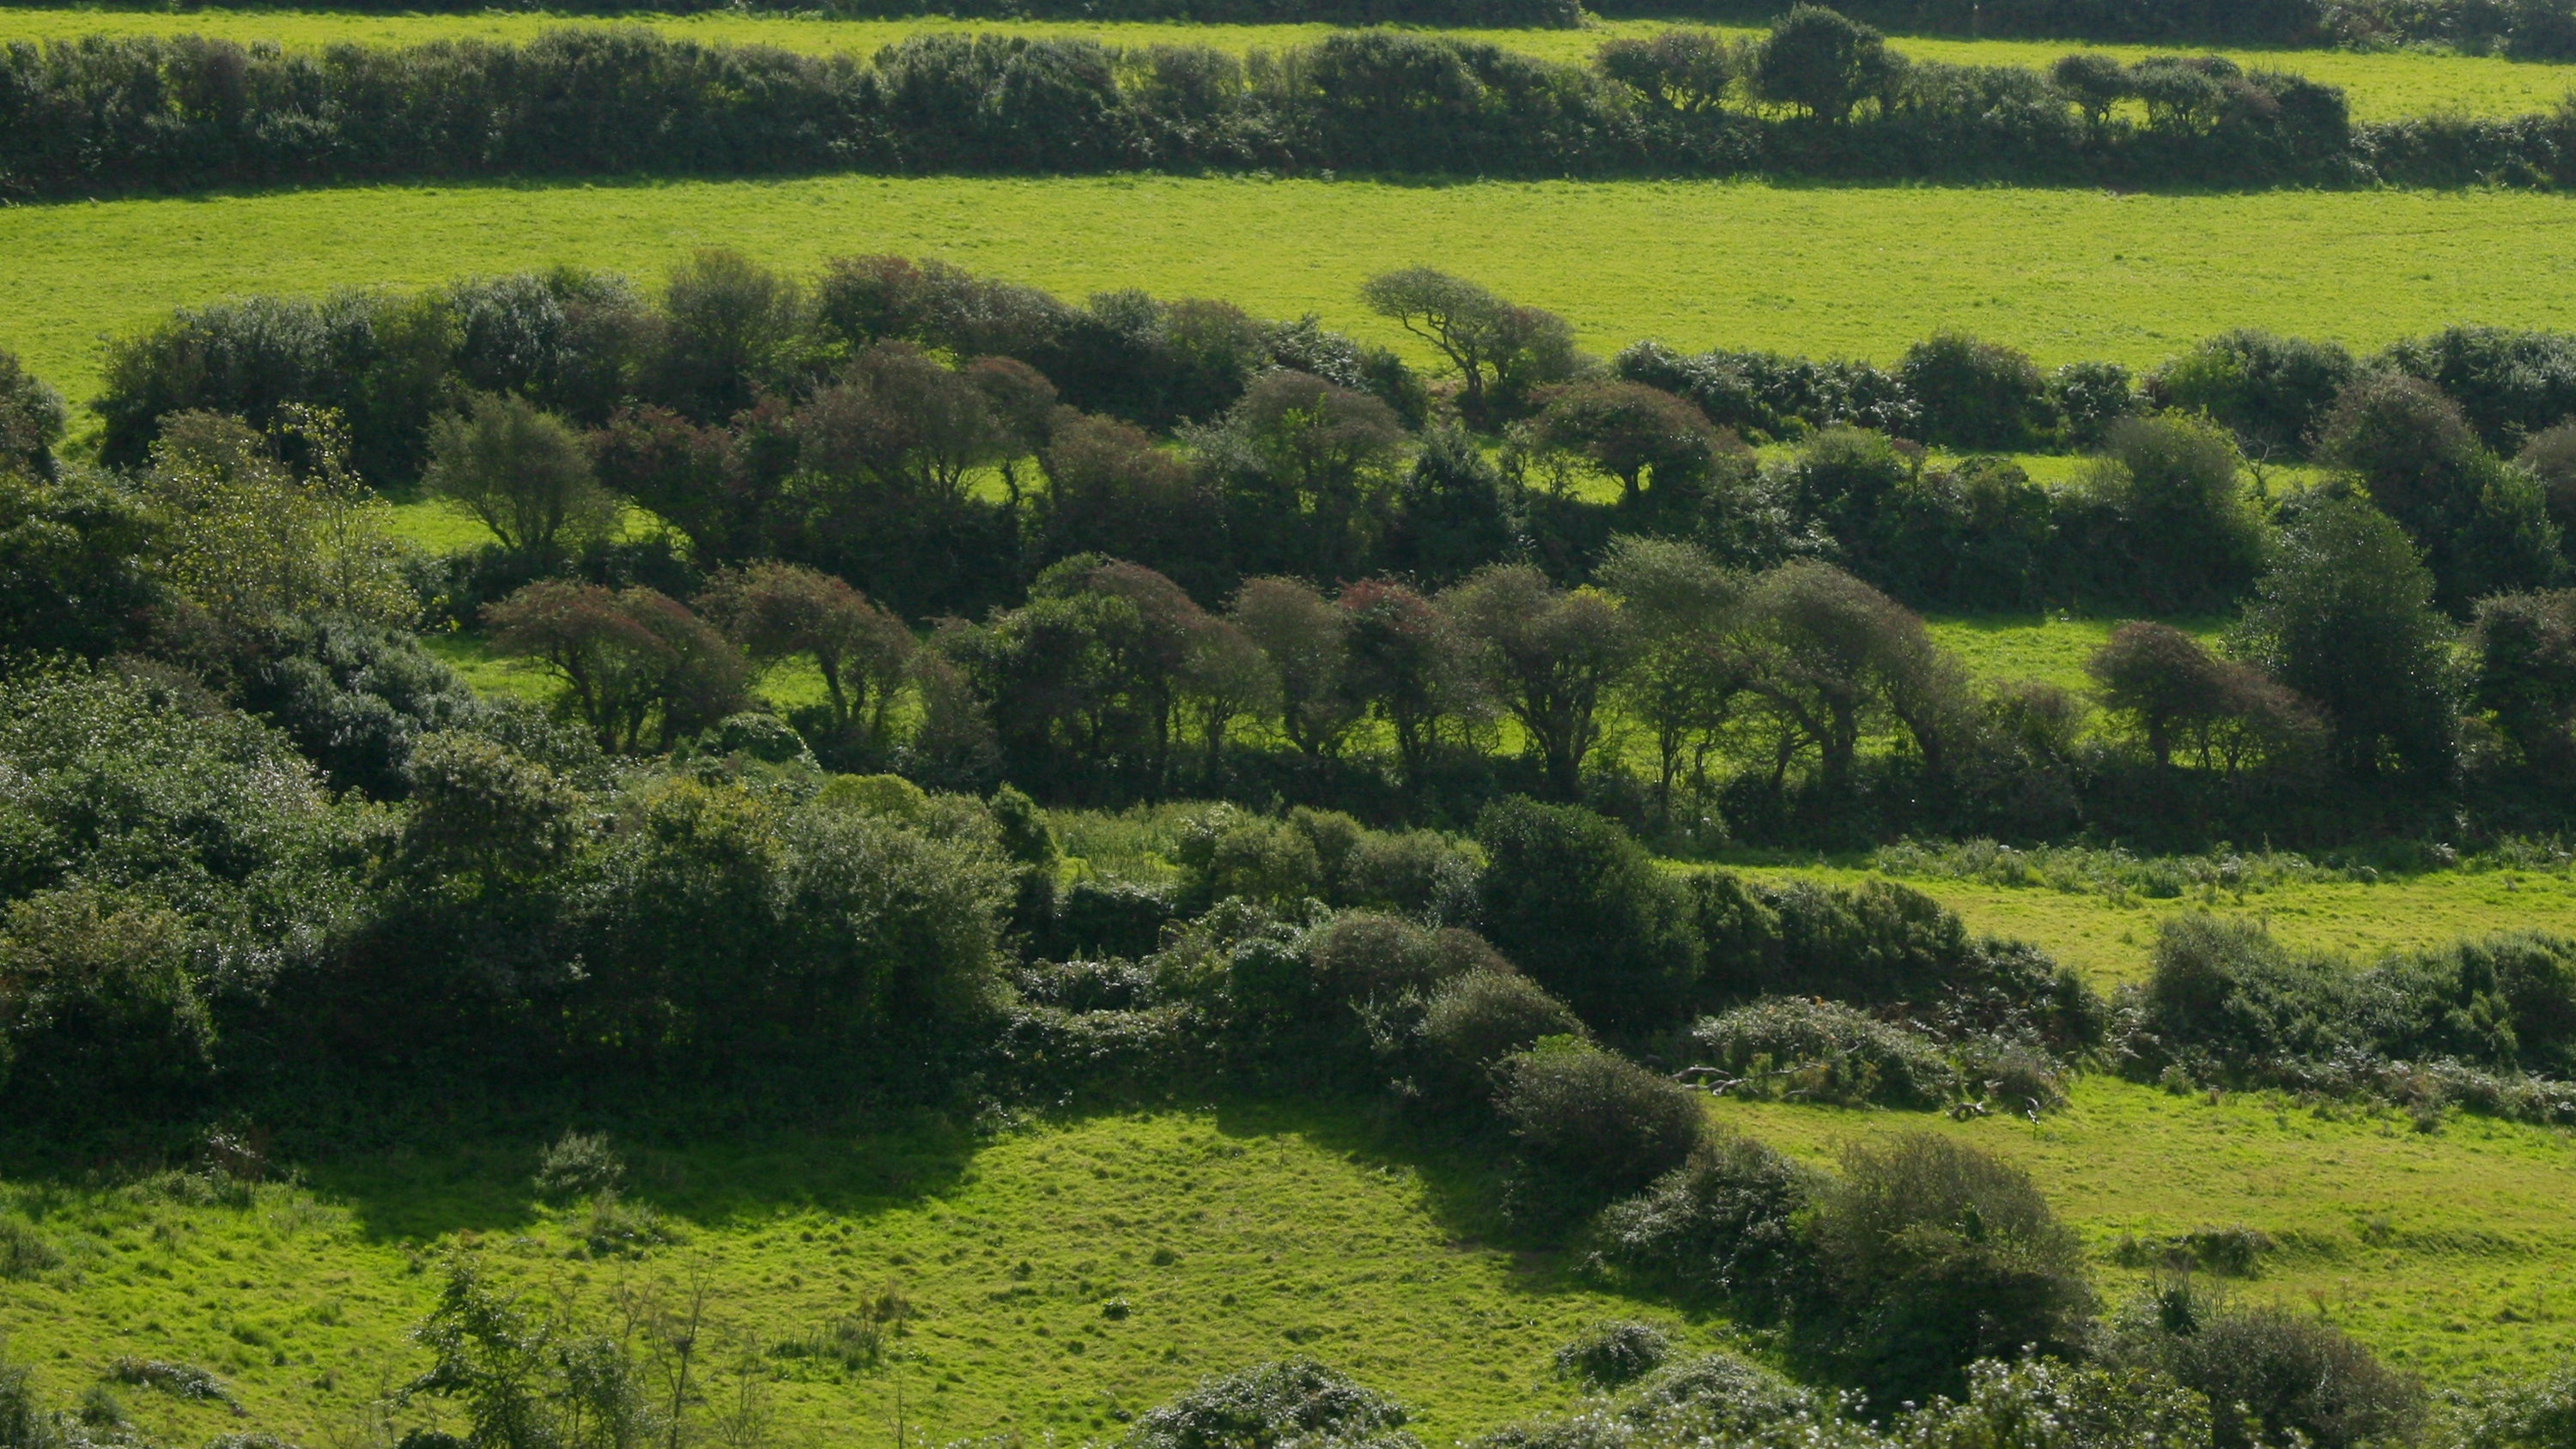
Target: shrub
{"points": [[98, 998], [2539, 1414], [2037, 1404], [178, 1380], [1722, 1227], [1614, 1353], [1360, 955], [74, 563], [1880, 943], [1591, 1126], [2190, 534], [1228, 853], [2091, 396], [579, 1164], [2525, 646], [1483, 1016], [2270, 391], [32, 419], [1938, 1255], [1112, 917], [1808, 1050], [1977, 395], [1294, 1401], [1416, 872], [24, 1253], [1570, 898], [2270, 1374]]}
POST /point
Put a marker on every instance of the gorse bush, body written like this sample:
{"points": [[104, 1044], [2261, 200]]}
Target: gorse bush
{"points": [[1590, 1126], [1270, 1405], [2270, 1375], [1724, 1227], [1805, 1050], [1938, 1255], [2228, 999]]}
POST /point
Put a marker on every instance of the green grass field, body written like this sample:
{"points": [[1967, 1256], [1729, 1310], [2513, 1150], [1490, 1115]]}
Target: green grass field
{"points": [[2445, 1251], [1063, 1276], [1226, 1236], [2381, 86], [1856, 271]]}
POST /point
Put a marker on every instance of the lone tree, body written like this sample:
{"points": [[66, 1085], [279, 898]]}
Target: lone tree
{"points": [[520, 471]]}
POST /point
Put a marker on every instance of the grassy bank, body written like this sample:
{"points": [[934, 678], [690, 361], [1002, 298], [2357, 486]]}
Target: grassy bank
{"points": [[1056, 1278]]}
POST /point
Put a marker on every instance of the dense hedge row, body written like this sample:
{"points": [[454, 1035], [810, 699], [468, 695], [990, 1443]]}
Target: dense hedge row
{"points": [[118, 114]]}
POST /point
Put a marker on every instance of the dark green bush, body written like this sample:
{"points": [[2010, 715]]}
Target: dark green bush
{"points": [[1723, 1227], [1571, 899], [2270, 1374], [1591, 1126], [1481, 1017], [1977, 396], [2271, 391], [73, 563], [1936, 1255]]}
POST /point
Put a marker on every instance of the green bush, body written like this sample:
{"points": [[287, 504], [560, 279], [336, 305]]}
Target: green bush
{"points": [[1723, 1227], [1571, 899], [1294, 1401], [579, 1164], [2539, 1414], [1590, 1126], [1614, 1353], [1977, 396], [2270, 391], [1480, 1017], [1801, 1048], [98, 998], [2271, 1376], [1937, 1255]]}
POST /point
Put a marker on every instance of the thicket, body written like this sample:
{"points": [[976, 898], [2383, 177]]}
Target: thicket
{"points": [[1166, 548], [1819, 96]]}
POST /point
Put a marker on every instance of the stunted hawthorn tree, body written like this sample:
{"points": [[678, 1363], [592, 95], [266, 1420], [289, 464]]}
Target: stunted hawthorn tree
{"points": [[1307, 642], [1310, 468], [630, 659], [521, 472], [1827, 657], [1550, 656], [1689, 675], [1637, 434], [1407, 665], [1502, 352], [2177, 694], [775, 611]]}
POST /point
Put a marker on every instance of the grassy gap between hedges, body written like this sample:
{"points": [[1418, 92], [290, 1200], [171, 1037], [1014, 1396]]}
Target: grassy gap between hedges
{"points": [[1821, 270]]}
